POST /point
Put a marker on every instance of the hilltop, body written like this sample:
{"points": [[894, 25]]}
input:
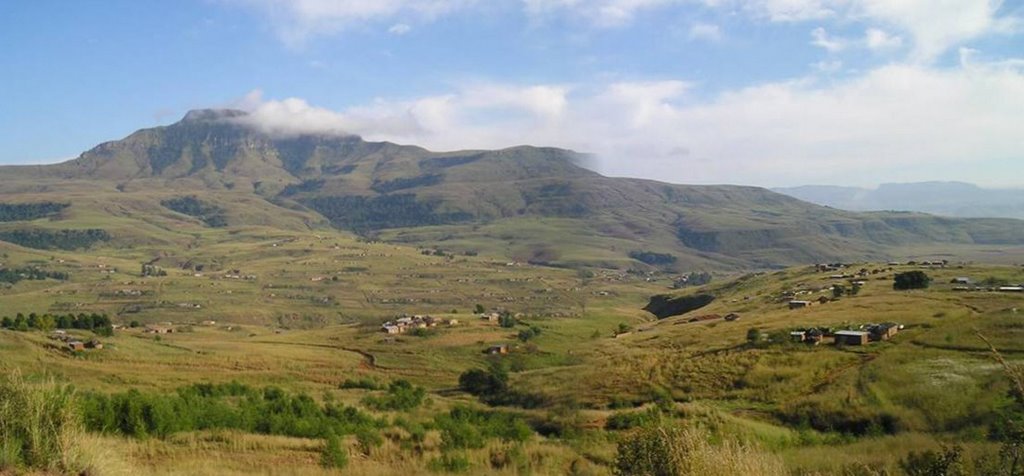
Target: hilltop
{"points": [[528, 204]]}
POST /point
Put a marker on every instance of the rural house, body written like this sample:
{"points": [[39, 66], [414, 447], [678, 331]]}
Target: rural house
{"points": [[799, 304], [500, 349], [851, 338]]}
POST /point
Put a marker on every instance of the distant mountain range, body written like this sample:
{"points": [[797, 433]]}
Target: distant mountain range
{"points": [[530, 204], [954, 199]]}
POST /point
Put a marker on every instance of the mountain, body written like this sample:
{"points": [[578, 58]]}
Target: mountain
{"points": [[218, 168], [955, 199]]}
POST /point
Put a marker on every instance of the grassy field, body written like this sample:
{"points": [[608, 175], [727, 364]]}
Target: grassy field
{"points": [[302, 310]]}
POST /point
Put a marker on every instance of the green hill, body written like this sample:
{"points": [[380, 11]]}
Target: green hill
{"points": [[528, 204]]}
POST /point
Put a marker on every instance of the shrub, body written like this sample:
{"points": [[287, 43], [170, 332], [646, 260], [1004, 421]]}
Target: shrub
{"points": [[333, 455], [401, 396], [949, 461], [449, 463], [628, 420], [672, 451]]}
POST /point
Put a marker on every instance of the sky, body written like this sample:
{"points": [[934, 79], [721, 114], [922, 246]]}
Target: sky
{"points": [[756, 92]]}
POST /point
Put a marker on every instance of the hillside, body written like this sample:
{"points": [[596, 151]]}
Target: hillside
{"points": [[527, 204], [955, 199]]}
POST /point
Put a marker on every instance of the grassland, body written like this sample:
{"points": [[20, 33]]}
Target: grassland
{"points": [[301, 311]]}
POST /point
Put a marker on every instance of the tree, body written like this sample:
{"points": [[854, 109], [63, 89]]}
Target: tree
{"points": [[479, 309], [911, 280], [838, 290], [753, 335], [45, 323], [481, 382]]}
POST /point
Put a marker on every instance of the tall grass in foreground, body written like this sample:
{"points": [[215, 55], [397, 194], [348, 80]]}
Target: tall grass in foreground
{"points": [[678, 451], [40, 429]]}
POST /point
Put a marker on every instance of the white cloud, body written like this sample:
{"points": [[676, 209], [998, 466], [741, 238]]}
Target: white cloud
{"points": [[792, 10], [602, 13], [876, 39], [828, 67], [894, 118], [821, 38], [937, 25], [297, 20], [399, 29], [705, 32]]}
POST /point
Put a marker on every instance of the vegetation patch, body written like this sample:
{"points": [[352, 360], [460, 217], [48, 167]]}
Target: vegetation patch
{"points": [[210, 214], [269, 410], [29, 211], [652, 258], [664, 306], [386, 211], [403, 183], [14, 275], [68, 240]]}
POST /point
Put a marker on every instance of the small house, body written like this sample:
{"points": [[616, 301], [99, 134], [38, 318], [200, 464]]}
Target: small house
{"points": [[94, 344], [961, 280], [159, 329], [851, 338], [391, 329], [799, 304], [883, 331], [1011, 289], [500, 349], [76, 346], [813, 336], [732, 317], [797, 336]]}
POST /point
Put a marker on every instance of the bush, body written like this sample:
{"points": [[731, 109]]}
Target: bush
{"points": [[225, 406], [949, 461], [449, 463], [671, 451], [464, 427], [401, 396], [628, 420], [333, 455], [911, 280]]}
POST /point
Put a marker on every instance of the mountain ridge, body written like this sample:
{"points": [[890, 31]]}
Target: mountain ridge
{"points": [[955, 199], [528, 203]]}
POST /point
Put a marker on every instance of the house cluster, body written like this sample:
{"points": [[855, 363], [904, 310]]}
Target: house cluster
{"points": [[860, 336], [961, 283], [165, 328], [406, 322], [237, 274], [73, 344]]}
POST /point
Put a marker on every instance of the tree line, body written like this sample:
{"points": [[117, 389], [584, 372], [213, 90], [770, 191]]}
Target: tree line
{"points": [[98, 323], [13, 275], [42, 239]]}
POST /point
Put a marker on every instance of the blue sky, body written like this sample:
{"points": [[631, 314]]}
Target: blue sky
{"points": [[762, 92]]}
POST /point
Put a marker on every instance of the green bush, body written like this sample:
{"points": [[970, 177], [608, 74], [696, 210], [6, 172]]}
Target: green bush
{"points": [[464, 427], [224, 406], [401, 396], [333, 455]]}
